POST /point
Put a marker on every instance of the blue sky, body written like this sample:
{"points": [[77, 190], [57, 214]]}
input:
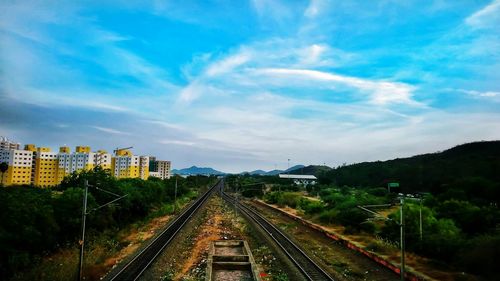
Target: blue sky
{"points": [[244, 85]]}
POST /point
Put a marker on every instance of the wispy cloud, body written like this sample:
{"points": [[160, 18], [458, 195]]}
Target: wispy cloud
{"points": [[488, 16], [110, 130], [314, 8], [228, 64], [487, 95], [178, 142], [381, 92], [245, 86], [38, 70]]}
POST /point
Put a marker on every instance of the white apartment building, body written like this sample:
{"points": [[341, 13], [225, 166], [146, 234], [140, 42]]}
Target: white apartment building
{"points": [[20, 164], [6, 144], [161, 169]]}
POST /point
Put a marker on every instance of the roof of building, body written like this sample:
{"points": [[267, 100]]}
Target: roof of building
{"points": [[297, 177]]}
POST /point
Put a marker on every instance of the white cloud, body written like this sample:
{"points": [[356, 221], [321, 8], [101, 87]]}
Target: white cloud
{"points": [[110, 130], [312, 54], [382, 92], [259, 103], [41, 71], [177, 142], [272, 9], [486, 95], [486, 17], [228, 64], [314, 8]]}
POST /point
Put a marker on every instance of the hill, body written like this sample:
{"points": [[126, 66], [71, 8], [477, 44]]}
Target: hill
{"points": [[311, 170], [256, 172], [294, 168], [193, 170], [273, 172], [476, 165]]}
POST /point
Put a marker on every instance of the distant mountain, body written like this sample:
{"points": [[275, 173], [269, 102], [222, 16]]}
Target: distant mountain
{"points": [[294, 168], [310, 170], [258, 172], [273, 172], [197, 171]]}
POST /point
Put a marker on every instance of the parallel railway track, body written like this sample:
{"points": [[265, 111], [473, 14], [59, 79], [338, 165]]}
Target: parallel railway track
{"points": [[302, 261], [135, 267]]}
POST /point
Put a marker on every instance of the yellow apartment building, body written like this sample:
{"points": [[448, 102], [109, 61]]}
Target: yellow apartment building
{"points": [[46, 167], [19, 169], [126, 165], [42, 167]]}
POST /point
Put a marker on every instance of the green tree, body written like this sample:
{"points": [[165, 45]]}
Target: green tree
{"points": [[3, 168], [470, 218], [441, 237]]}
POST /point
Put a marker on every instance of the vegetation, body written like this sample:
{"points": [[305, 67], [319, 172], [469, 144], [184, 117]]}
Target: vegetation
{"points": [[460, 191], [35, 221], [467, 171], [310, 170]]}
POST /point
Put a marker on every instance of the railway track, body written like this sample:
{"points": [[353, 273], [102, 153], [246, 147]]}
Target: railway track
{"points": [[135, 267], [304, 263]]}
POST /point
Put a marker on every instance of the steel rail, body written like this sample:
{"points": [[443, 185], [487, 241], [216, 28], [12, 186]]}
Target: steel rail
{"points": [[133, 269], [310, 269]]}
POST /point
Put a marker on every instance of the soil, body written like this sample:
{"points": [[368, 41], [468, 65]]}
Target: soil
{"points": [[186, 257], [136, 238]]}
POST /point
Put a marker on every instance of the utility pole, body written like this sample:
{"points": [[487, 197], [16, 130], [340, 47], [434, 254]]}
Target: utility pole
{"points": [[82, 239], [175, 195], [421, 234], [402, 233], [84, 218], [236, 199], [401, 225]]}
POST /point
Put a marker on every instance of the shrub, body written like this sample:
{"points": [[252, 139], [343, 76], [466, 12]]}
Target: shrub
{"points": [[352, 217], [311, 207], [368, 227], [290, 199], [480, 256], [272, 197], [378, 191], [328, 216]]}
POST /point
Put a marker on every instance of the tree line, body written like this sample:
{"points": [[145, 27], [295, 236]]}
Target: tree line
{"points": [[36, 221]]}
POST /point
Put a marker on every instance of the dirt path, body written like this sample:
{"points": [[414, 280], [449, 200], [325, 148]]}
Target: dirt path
{"points": [[186, 257], [210, 231], [134, 239]]}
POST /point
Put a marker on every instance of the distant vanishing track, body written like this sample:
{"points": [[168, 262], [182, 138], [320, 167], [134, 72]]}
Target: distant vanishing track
{"points": [[306, 265], [134, 268]]}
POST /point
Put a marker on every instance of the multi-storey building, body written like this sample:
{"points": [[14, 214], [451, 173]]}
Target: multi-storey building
{"points": [[103, 159], [64, 163], [46, 167], [152, 164], [81, 159], [144, 167], [6, 144], [161, 169], [19, 169], [41, 167], [126, 165]]}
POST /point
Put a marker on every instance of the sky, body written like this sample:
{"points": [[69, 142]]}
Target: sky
{"points": [[245, 85]]}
